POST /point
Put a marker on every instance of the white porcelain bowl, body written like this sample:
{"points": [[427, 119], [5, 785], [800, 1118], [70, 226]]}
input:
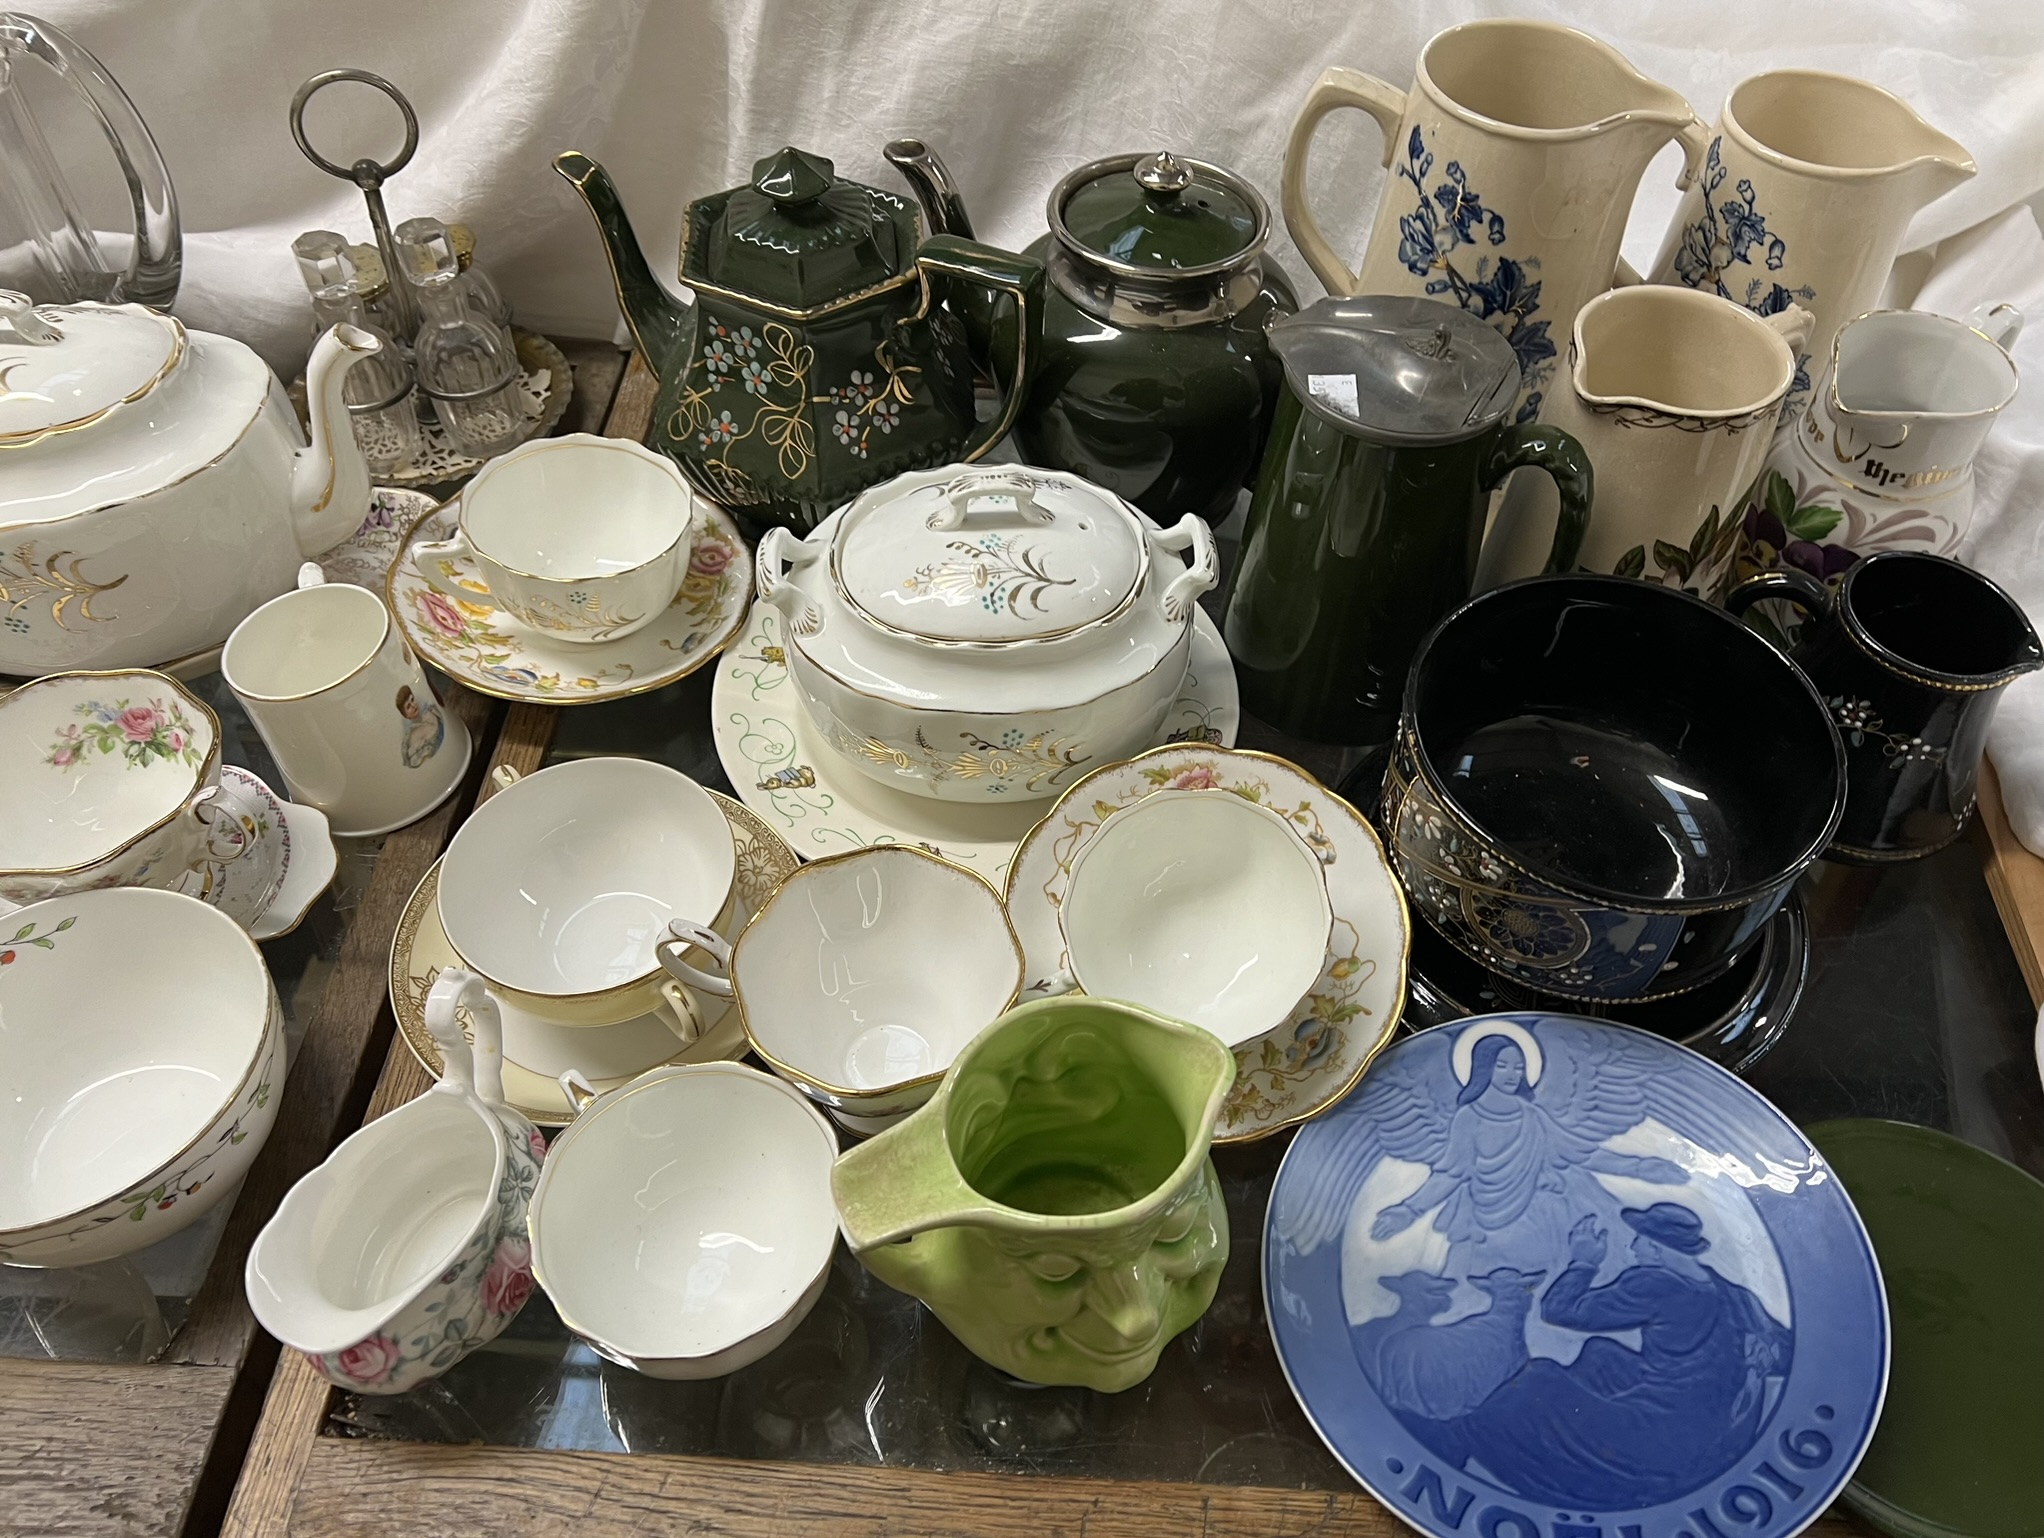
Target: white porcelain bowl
{"points": [[1202, 906], [866, 972], [142, 1051], [683, 1224], [556, 888]]}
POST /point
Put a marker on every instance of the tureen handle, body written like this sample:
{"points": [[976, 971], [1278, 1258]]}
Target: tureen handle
{"points": [[780, 552], [1202, 570], [1009, 491]]}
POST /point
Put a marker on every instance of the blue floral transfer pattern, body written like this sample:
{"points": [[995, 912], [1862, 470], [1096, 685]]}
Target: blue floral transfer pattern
{"points": [[1733, 233], [1451, 217]]}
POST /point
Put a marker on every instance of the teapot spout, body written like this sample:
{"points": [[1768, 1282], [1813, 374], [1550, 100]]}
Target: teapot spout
{"points": [[658, 320], [329, 477], [943, 204]]}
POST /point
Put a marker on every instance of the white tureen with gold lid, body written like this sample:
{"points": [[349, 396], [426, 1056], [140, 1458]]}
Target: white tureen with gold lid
{"points": [[154, 485], [987, 634]]}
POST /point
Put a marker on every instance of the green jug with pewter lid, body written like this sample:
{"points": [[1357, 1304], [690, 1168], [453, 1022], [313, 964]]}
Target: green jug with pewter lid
{"points": [[818, 357], [1368, 514], [1155, 379], [1054, 1203]]}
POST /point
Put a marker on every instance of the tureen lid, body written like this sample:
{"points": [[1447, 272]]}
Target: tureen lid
{"points": [[64, 367], [1398, 368], [988, 557], [798, 235], [1159, 215]]}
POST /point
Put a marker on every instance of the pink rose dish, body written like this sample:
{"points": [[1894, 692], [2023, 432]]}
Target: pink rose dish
{"points": [[143, 1055], [407, 1249], [113, 779]]}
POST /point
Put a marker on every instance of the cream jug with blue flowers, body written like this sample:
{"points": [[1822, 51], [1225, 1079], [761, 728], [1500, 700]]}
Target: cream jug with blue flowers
{"points": [[1513, 161], [1808, 185]]}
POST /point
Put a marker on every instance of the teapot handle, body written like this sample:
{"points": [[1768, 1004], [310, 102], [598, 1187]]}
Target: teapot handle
{"points": [[1335, 88], [1202, 569], [1020, 276]]}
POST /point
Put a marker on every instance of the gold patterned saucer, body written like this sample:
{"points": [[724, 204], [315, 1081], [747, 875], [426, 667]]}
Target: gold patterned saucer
{"points": [[1307, 1064], [469, 643], [419, 950]]}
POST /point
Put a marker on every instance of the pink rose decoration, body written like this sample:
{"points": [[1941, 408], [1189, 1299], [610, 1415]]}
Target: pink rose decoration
{"points": [[709, 559], [177, 740], [1198, 777], [536, 1140], [508, 1282], [139, 722], [439, 613], [370, 1361], [64, 758]]}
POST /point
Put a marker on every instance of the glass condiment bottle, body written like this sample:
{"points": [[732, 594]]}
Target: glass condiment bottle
{"points": [[466, 365], [483, 292], [378, 390]]}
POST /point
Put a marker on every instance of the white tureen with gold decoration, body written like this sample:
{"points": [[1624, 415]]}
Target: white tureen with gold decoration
{"points": [[154, 485], [987, 634]]}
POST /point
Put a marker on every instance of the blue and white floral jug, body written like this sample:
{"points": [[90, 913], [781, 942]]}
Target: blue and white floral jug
{"points": [[1513, 161], [1809, 182], [407, 1249]]}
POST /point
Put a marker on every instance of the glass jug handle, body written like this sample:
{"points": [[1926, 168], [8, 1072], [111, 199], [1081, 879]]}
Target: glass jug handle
{"points": [[67, 243]]}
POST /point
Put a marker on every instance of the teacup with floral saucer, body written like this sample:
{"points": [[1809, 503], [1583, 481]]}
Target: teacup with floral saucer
{"points": [[606, 1056], [786, 770], [471, 643], [1307, 1064]]}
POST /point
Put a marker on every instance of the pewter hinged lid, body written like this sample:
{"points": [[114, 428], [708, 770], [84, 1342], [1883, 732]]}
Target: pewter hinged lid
{"points": [[1397, 368], [1159, 215]]}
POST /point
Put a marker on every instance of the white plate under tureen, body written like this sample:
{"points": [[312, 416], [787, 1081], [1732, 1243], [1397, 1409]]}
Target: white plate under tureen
{"points": [[987, 634]]}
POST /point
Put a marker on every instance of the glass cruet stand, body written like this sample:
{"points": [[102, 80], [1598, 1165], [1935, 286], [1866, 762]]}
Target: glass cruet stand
{"points": [[466, 365], [378, 389]]}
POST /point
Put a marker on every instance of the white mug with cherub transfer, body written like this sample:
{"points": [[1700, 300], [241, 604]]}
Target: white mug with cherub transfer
{"points": [[345, 707]]}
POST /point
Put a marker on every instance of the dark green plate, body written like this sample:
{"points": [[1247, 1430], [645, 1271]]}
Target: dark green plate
{"points": [[1960, 1238]]}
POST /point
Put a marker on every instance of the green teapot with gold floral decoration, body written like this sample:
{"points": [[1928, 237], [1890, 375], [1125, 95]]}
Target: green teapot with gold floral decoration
{"points": [[819, 357]]}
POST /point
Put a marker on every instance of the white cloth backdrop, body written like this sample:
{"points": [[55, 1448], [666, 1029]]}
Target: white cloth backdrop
{"points": [[678, 97]]}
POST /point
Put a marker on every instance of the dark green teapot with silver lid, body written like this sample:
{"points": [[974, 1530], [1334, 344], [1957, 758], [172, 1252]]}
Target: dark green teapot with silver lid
{"points": [[817, 358], [1154, 379]]}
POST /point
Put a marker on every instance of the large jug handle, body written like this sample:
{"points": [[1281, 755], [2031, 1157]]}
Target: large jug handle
{"points": [[1020, 276], [157, 262], [1536, 446], [1336, 87], [903, 1183]]}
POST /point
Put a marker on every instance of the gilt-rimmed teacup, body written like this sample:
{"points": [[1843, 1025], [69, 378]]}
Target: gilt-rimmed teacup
{"points": [[683, 1224], [112, 779], [865, 973], [579, 538], [1201, 905], [557, 888]]}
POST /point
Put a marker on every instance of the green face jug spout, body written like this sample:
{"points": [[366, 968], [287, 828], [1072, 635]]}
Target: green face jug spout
{"points": [[1054, 1203]]}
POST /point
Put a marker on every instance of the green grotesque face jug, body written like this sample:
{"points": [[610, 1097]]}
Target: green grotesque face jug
{"points": [[1054, 1203]]}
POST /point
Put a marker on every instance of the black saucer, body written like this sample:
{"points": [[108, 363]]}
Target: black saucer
{"points": [[1732, 1020]]}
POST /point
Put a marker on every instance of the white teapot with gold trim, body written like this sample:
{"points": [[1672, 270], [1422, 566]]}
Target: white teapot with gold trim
{"points": [[154, 485]]}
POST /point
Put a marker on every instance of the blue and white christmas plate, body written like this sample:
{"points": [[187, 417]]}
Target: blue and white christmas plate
{"points": [[1548, 1277]]}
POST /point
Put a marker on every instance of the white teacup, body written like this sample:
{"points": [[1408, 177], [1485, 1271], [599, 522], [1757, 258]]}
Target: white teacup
{"points": [[345, 707], [556, 889], [1199, 905], [112, 779], [683, 1224], [579, 538], [864, 974]]}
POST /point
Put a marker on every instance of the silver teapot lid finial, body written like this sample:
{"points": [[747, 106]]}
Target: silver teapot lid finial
{"points": [[1163, 172]]}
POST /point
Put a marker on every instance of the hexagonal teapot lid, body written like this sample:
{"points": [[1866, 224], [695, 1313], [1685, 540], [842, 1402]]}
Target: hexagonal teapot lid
{"points": [[798, 236]]}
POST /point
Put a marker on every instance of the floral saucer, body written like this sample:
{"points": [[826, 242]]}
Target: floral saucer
{"points": [[791, 776], [419, 950], [1303, 1067], [269, 890], [468, 643]]}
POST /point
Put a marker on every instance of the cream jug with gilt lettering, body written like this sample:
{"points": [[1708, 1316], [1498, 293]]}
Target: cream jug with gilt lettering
{"points": [[1882, 457]]}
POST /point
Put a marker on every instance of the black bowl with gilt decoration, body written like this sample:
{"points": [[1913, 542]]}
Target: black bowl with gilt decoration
{"points": [[1602, 789]]}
